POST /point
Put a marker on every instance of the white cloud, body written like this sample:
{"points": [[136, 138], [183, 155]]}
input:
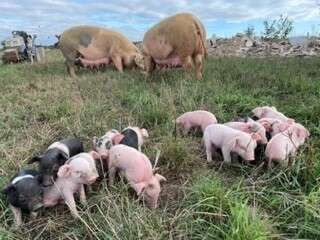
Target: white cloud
{"points": [[48, 17]]}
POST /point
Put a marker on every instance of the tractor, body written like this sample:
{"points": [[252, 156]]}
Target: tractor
{"points": [[20, 48]]}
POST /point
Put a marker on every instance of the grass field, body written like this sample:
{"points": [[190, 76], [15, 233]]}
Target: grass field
{"points": [[40, 104]]}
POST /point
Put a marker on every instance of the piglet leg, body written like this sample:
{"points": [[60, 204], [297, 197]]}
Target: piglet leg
{"points": [[17, 215], [112, 174], [83, 198], [69, 200], [208, 150], [226, 154]]}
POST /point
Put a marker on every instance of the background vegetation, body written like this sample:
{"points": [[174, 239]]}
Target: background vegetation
{"points": [[40, 104]]}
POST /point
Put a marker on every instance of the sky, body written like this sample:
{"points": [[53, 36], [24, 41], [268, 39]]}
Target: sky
{"points": [[223, 18]]}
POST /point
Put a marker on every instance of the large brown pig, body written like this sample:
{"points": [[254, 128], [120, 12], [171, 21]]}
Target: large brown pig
{"points": [[177, 41], [94, 47]]}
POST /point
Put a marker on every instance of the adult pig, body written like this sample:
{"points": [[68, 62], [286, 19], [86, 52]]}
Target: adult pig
{"points": [[72, 176], [24, 194], [95, 46], [229, 140], [196, 119], [55, 156], [177, 41], [137, 169]]}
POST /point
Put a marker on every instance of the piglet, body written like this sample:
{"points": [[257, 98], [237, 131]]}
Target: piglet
{"points": [[72, 176], [24, 194], [55, 156], [132, 137], [250, 127], [229, 140], [270, 112], [285, 144], [275, 126], [106, 141], [137, 169], [196, 119]]}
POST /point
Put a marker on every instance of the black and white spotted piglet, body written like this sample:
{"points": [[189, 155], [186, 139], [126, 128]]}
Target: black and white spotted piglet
{"points": [[24, 193], [54, 157]]}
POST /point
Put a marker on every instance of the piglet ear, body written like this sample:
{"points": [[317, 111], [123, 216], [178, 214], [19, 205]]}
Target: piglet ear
{"points": [[144, 132], [117, 138], [266, 125], [160, 178], [94, 155], [258, 112], [139, 187], [283, 126], [8, 189], [253, 127], [35, 159], [256, 136], [274, 108], [64, 170], [290, 121]]}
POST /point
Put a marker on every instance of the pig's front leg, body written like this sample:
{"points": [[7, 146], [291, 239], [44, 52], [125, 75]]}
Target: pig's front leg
{"points": [[112, 174], [208, 146], [17, 215], [226, 154], [69, 200], [83, 198]]}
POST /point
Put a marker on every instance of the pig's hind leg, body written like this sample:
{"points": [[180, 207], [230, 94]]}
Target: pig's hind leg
{"points": [[112, 173]]}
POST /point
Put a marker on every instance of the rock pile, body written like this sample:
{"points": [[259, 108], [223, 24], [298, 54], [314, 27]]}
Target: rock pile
{"points": [[243, 46]]}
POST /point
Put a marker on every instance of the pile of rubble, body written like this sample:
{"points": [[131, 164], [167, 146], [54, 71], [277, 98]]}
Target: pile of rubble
{"points": [[243, 46]]}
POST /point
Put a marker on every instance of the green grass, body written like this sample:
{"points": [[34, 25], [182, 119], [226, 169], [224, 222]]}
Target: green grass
{"points": [[40, 104]]}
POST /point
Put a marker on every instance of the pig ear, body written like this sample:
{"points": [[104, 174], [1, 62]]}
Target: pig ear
{"points": [[144, 132], [160, 178], [117, 138], [256, 136], [64, 170], [290, 121], [62, 158], [258, 112], [94, 155], [8, 189], [35, 159], [274, 108], [266, 125], [283, 126], [252, 127], [139, 187], [236, 142]]}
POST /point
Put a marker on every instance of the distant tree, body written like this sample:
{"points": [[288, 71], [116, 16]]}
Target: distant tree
{"points": [[250, 31], [278, 29]]}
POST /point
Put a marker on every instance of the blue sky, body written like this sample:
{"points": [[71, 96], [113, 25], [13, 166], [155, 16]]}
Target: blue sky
{"points": [[132, 18]]}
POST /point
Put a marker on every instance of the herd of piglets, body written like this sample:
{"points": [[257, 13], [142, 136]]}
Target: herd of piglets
{"points": [[65, 169], [242, 137]]}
